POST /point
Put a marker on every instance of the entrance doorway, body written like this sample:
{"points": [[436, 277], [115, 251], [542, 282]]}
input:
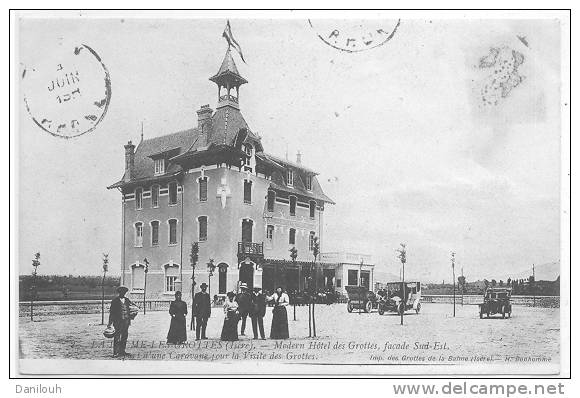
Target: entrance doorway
{"points": [[247, 274], [222, 278]]}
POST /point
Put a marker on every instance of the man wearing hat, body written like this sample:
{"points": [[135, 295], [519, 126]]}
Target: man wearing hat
{"points": [[202, 311], [244, 305], [120, 318], [258, 312]]}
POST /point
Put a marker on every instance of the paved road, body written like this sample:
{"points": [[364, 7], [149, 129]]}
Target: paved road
{"points": [[529, 338]]}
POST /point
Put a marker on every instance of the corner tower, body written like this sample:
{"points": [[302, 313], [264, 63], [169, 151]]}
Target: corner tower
{"points": [[227, 79]]}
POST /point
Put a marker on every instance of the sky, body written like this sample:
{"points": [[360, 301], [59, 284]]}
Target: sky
{"points": [[398, 133]]}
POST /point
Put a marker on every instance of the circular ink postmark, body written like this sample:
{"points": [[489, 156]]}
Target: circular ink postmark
{"points": [[67, 94], [355, 35]]}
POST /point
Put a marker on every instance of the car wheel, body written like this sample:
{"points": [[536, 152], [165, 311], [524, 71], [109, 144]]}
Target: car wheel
{"points": [[349, 307], [480, 314], [418, 309], [381, 310], [368, 306], [488, 314], [503, 311]]}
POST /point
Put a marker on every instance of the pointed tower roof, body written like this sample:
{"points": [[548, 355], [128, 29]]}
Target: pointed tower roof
{"points": [[228, 72]]}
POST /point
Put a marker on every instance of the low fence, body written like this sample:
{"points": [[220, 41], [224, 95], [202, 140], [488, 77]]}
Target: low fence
{"points": [[44, 308], [528, 301]]}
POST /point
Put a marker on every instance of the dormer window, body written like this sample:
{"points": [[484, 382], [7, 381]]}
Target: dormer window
{"points": [[309, 183], [290, 177], [159, 166]]}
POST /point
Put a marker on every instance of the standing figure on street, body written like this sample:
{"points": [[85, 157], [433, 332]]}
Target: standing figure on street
{"points": [[258, 312], [230, 328], [177, 329], [279, 328], [120, 318], [202, 303], [244, 300]]}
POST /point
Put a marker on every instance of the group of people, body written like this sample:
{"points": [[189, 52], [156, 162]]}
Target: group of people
{"points": [[236, 308]]}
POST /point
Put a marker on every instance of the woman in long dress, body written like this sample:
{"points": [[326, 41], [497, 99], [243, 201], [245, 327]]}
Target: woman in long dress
{"points": [[177, 329], [279, 328], [230, 329]]}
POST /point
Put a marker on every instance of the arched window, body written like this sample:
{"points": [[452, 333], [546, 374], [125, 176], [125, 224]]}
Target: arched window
{"points": [[202, 221], [172, 193], [223, 278], [247, 191], [292, 236], [202, 189], [312, 209], [155, 196], [154, 233], [292, 205], [271, 200], [172, 231], [139, 234], [139, 198]]}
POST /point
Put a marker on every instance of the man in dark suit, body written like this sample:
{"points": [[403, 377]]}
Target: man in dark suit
{"points": [[244, 300], [202, 311], [120, 318], [258, 312]]}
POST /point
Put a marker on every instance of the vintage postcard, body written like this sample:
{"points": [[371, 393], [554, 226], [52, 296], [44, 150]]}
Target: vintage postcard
{"points": [[295, 193]]}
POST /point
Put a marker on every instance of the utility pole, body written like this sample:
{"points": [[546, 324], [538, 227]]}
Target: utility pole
{"points": [[453, 268], [105, 269], [403, 257], [146, 271], [35, 264], [462, 285], [534, 283]]}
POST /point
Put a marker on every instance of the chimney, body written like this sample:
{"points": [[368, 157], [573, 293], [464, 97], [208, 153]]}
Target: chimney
{"points": [[298, 157], [203, 114], [129, 160]]}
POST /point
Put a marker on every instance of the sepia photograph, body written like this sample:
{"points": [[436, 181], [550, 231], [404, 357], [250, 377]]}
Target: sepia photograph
{"points": [[292, 193]]}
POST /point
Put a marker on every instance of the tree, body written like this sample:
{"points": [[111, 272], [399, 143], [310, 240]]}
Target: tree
{"points": [[193, 258], [493, 283], [105, 269]]}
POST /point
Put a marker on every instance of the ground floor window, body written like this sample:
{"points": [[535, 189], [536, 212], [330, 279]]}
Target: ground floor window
{"points": [[137, 278], [170, 283]]}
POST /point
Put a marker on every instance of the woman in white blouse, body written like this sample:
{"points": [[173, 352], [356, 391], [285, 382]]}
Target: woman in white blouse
{"points": [[230, 328], [279, 328]]}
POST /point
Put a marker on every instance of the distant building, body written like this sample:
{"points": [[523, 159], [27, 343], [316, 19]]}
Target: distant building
{"points": [[341, 269], [215, 185]]}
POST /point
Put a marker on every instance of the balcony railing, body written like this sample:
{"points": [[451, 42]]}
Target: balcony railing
{"points": [[250, 249]]}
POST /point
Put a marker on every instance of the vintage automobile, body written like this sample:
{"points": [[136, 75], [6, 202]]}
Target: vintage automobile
{"points": [[497, 300], [360, 298], [390, 297]]}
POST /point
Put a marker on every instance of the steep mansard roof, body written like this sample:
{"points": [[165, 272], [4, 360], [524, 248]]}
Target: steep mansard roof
{"points": [[221, 131]]}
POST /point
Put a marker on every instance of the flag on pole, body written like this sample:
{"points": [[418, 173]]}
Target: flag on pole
{"points": [[231, 41]]}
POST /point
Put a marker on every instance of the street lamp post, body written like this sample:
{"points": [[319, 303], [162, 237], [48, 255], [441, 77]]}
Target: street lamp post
{"points": [[146, 271], [210, 269], [105, 269], [403, 257], [453, 270]]}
